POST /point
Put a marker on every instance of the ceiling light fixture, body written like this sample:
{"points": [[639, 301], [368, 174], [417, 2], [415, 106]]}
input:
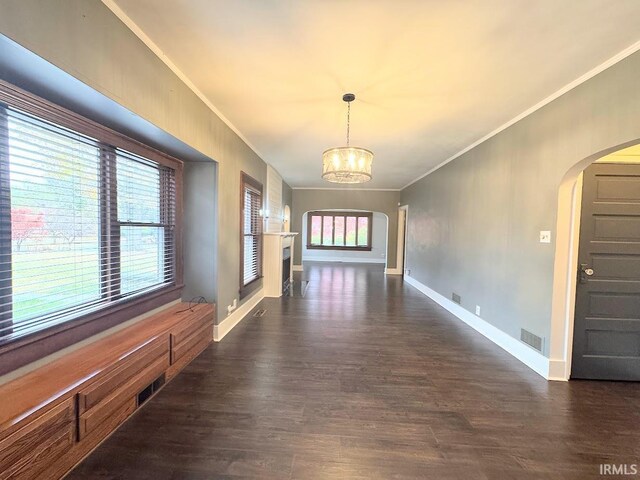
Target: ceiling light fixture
{"points": [[347, 164]]}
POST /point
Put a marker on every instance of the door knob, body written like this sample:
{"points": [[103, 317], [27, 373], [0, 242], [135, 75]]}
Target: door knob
{"points": [[585, 271]]}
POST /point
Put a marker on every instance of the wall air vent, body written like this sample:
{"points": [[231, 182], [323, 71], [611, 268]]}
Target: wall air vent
{"points": [[456, 298], [531, 339]]}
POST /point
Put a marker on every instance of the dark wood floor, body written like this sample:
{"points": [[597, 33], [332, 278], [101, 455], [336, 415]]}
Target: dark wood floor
{"points": [[365, 378]]}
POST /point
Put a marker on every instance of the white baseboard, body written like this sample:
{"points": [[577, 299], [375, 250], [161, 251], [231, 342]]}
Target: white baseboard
{"points": [[344, 260], [532, 359], [224, 327], [393, 271], [298, 268], [558, 370]]}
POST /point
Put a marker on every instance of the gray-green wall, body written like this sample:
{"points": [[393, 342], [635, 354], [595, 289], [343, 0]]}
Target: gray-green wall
{"points": [[473, 225], [85, 39], [200, 230], [287, 195], [305, 200]]}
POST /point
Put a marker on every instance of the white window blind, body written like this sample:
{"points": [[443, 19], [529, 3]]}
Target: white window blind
{"points": [[82, 224], [252, 234], [146, 194]]}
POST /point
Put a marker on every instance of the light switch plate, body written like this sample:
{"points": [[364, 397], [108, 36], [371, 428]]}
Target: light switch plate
{"points": [[545, 236], [478, 310]]}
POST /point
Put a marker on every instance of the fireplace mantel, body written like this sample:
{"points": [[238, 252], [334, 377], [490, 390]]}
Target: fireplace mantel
{"points": [[275, 274]]}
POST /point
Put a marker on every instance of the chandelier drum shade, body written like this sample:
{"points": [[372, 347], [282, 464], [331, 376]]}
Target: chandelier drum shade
{"points": [[347, 164]]}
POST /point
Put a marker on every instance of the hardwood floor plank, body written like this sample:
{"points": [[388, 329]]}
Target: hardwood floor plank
{"points": [[365, 378]]}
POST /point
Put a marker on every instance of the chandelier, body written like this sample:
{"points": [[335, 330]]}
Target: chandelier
{"points": [[347, 164]]}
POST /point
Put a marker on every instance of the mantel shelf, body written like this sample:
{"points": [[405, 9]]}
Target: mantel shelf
{"points": [[282, 234]]}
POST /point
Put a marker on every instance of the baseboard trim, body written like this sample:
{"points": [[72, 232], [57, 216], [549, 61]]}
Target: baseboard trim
{"points": [[557, 370], [345, 260], [532, 359], [224, 327], [393, 271], [298, 268]]}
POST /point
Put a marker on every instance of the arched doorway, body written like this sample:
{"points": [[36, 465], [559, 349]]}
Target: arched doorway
{"points": [[379, 240], [567, 282]]}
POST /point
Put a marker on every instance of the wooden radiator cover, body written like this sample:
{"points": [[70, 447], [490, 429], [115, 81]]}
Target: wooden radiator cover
{"points": [[52, 417]]}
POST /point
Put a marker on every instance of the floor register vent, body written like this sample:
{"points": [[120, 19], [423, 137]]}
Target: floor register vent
{"points": [[150, 389], [260, 312]]}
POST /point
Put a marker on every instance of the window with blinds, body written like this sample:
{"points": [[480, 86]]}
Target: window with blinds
{"points": [[251, 233], [329, 230], [83, 224]]}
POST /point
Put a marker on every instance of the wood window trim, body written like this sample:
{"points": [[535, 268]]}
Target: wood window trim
{"points": [[342, 213], [33, 346], [255, 284], [37, 345], [6, 249]]}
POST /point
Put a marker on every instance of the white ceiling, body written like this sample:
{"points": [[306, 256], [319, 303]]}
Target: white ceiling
{"points": [[626, 155], [431, 76]]}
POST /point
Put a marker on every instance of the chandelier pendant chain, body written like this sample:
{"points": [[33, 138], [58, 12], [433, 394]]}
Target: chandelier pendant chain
{"points": [[348, 121]]}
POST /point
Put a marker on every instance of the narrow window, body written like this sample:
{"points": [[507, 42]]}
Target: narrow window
{"points": [[145, 220], [250, 234]]}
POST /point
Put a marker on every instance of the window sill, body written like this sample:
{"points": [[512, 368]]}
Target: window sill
{"points": [[324, 247], [250, 287], [37, 345]]}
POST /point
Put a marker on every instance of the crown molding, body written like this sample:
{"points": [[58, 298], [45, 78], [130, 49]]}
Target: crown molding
{"points": [[138, 32], [348, 189], [568, 87]]}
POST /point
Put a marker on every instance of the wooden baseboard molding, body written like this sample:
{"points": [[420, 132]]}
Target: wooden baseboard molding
{"points": [[224, 327], [532, 359], [393, 271]]}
